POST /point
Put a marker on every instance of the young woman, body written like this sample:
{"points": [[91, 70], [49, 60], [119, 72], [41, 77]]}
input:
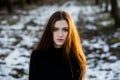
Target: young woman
{"points": [[59, 54]]}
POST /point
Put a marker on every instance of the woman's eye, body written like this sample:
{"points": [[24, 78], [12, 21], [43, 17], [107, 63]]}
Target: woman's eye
{"points": [[66, 30], [55, 29]]}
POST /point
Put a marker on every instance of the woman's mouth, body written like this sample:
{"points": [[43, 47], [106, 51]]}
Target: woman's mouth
{"points": [[60, 40]]}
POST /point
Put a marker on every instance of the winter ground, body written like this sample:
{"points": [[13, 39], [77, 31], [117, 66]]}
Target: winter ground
{"points": [[20, 31]]}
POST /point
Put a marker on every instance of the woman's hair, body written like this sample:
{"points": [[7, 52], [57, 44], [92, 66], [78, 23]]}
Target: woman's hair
{"points": [[72, 45]]}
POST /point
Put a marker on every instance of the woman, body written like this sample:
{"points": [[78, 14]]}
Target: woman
{"points": [[58, 55]]}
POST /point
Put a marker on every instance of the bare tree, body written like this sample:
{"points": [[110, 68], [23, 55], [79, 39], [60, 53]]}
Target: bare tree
{"points": [[29, 1], [21, 3], [97, 2], [115, 12], [9, 5], [106, 5]]}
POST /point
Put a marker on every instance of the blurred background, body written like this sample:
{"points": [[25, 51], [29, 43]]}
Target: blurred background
{"points": [[22, 23]]}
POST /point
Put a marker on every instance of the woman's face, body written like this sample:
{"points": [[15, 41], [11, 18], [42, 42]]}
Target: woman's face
{"points": [[60, 32]]}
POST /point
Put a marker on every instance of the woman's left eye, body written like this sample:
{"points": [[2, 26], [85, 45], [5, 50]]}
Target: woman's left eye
{"points": [[66, 30]]}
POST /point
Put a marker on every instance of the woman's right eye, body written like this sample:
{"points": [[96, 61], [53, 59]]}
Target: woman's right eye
{"points": [[55, 29]]}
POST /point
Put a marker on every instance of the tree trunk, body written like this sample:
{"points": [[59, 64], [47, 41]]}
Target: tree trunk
{"points": [[29, 1], [97, 2], [115, 12], [106, 5], [9, 5], [1, 3], [21, 3]]}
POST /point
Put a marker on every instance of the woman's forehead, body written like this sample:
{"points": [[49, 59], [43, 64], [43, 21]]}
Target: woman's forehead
{"points": [[61, 23]]}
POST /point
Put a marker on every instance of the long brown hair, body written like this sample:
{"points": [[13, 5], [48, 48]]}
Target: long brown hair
{"points": [[73, 42]]}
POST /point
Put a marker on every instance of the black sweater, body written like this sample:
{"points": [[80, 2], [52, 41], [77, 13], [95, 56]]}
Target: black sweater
{"points": [[50, 65]]}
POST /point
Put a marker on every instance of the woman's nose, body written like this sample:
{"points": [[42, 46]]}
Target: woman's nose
{"points": [[60, 33]]}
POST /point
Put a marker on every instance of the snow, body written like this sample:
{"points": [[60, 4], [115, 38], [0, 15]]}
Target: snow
{"points": [[16, 41]]}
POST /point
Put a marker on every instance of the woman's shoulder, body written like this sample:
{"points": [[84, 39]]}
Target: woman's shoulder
{"points": [[36, 53]]}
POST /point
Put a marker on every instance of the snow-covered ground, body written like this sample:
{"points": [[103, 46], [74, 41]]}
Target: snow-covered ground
{"points": [[17, 40]]}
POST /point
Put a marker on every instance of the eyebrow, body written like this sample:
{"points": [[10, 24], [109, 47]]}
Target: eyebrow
{"points": [[58, 27]]}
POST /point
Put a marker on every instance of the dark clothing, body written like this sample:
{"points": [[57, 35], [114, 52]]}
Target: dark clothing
{"points": [[51, 65]]}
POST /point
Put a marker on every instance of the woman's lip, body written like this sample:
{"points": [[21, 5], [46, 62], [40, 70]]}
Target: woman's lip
{"points": [[60, 39]]}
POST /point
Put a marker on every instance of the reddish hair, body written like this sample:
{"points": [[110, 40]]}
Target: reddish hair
{"points": [[72, 45]]}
